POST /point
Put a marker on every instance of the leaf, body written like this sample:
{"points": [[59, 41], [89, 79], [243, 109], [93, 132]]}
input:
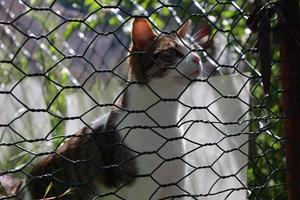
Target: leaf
{"points": [[48, 189], [228, 13], [67, 192], [70, 29], [113, 21], [158, 21], [166, 11]]}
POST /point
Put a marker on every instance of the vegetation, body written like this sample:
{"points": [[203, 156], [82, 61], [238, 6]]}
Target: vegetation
{"points": [[266, 174]]}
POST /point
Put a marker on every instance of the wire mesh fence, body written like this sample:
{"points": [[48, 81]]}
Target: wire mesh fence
{"points": [[64, 63]]}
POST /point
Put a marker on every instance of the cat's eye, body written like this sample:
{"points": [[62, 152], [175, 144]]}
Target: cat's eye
{"points": [[170, 52], [170, 55], [173, 53]]}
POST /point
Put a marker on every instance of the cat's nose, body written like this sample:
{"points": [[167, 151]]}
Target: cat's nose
{"points": [[195, 59]]}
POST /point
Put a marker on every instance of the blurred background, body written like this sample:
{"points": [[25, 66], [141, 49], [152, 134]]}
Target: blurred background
{"points": [[63, 62]]}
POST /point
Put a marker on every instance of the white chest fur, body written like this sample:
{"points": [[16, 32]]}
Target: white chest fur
{"points": [[152, 134]]}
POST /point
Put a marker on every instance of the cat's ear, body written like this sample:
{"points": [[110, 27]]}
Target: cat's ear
{"points": [[184, 29], [142, 34]]}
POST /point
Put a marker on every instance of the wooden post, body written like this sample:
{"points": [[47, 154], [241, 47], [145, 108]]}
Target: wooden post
{"points": [[290, 76]]}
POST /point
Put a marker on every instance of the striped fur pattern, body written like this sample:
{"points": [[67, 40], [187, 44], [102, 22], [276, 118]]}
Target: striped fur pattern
{"points": [[107, 158]]}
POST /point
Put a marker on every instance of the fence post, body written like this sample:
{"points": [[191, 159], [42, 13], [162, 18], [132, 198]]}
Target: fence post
{"points": [[290, 77]]}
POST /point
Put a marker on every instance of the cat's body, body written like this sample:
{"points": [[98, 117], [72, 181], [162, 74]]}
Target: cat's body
{"points": [[138, 152]]}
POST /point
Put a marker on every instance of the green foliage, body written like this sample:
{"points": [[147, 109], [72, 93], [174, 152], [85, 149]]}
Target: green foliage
{"points": [[266, 175], [56, 99], [9, 73], [266, 170], [70, 28]]}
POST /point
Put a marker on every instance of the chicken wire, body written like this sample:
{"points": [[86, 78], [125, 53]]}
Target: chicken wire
{"points": [[62, 50]]}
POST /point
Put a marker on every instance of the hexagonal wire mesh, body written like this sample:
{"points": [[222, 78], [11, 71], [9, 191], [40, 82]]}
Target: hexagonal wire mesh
{"points": [[63, 63]]}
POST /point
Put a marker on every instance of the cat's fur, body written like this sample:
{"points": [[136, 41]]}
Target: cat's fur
{"points": [[138, 153]]}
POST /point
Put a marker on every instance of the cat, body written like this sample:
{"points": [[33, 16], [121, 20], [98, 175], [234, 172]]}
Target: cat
{"points": [[137, 151]]}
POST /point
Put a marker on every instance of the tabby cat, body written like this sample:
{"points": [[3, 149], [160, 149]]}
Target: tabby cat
{"points": [[137, 151]]}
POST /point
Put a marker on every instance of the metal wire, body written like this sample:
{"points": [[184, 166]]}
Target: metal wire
{"points": [[63, 50]]}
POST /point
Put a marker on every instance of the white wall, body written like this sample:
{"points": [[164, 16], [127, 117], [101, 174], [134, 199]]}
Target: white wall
{"points": [[217, 149], [23, 124]]}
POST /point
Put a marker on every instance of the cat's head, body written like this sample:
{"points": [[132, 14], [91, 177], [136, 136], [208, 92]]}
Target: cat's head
{"points": [[162, 61]]}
